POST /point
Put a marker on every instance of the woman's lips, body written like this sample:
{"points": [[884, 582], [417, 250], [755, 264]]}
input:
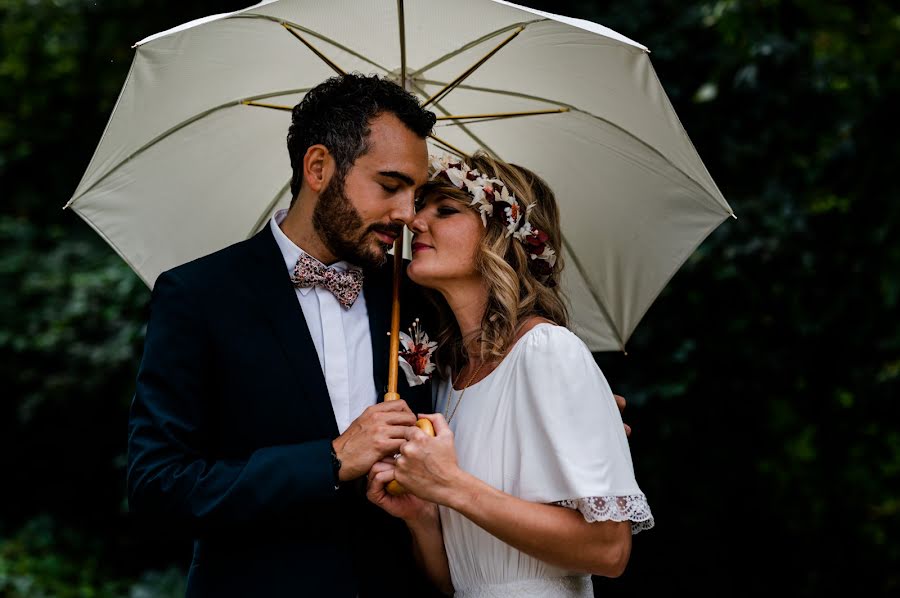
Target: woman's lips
{"points": [[419, 247]]}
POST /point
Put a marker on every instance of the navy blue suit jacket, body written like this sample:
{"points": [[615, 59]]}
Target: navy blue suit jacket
{"points": [[230, 435]]}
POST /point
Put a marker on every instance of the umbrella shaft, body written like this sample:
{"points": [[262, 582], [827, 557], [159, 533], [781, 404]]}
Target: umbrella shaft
{"points": [[393, 354]]}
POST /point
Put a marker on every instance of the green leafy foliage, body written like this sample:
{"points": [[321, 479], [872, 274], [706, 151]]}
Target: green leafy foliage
{"points": [[45, 561]]}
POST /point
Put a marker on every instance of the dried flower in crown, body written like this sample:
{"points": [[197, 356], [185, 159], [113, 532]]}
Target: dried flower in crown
{"points": [[493, 200]]}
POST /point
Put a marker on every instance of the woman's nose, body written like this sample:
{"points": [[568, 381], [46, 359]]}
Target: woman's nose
{"points": [[419, 223]]}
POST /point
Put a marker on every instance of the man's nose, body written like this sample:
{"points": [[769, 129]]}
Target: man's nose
{"points": [[405, 209]]}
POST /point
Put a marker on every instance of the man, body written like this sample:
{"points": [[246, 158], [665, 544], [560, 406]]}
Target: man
{"points": [[257, 409]]}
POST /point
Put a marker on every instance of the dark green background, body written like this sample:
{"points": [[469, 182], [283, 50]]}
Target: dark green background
{"points": [[760, 384]]}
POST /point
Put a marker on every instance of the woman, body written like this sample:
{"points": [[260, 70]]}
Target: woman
{"points": [[527, 487]]}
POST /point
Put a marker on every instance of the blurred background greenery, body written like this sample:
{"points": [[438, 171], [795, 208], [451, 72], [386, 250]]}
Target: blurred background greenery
{"points": [[761, 385]]}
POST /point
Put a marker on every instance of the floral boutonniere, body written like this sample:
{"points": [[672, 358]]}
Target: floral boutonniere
{"points": [[415, 355]]}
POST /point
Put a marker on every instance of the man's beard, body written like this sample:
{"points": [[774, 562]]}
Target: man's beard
{"points": [[340, 227]]}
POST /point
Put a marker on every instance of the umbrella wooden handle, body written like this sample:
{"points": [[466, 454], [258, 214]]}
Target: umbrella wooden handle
{"points": [[393, 487]]}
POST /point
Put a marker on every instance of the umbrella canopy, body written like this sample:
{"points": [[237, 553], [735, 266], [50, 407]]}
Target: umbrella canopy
{"points": [[194, 158]]}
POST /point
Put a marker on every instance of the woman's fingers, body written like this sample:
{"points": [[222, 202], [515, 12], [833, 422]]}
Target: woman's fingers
{"points": [[378, 480], [383, 478], [379, 467], [437, 420]]}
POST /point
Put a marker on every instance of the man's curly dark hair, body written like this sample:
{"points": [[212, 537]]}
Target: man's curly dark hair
{"points": [[337, 112]]}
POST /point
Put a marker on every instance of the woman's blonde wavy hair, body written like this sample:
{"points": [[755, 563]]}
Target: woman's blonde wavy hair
{"points": [[515, 293]]}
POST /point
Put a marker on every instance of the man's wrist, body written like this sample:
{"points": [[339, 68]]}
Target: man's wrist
{"points": [[335, 467]]}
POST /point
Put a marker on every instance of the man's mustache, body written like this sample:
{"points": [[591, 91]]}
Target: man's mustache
{"points": [[389, 229]]}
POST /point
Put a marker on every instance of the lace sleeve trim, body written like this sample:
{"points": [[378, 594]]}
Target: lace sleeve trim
{"points": [[632, 508]]}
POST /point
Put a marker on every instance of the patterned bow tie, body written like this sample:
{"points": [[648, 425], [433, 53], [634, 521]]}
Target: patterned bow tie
{"points": [[345, 286]]}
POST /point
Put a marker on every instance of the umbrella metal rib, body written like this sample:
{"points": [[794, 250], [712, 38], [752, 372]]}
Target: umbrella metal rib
{"points": [[402, 27], [314, 50], [461, 126], [281, 107], [452, 148], [502, 92], [500, 115], [460, 117], [471, 44], [311, 33], [450, 86]]}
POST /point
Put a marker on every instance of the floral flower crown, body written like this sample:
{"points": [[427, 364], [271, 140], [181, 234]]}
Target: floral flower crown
{"points": [[494, 200]]}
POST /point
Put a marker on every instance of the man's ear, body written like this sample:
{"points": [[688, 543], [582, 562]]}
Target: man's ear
{"points": [[318, 167]]}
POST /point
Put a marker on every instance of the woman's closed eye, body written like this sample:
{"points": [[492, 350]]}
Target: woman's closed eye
{"points": [[447, 211]]}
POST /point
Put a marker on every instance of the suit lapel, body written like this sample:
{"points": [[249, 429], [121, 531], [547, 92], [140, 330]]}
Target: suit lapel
{"points": [[277, 299]]}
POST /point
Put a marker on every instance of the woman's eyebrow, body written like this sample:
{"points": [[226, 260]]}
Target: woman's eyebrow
{"points": [[425, 200]]}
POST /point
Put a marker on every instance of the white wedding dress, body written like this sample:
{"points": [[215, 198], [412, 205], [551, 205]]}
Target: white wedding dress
{"points": [[543, 426]]}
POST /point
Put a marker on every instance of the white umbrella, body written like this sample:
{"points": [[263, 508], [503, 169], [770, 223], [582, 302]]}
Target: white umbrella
{"points": [[194, 157]]}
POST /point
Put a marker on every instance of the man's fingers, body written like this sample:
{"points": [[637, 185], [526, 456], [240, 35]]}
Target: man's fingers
{"points": [[400, 418], [392, 406], [392, 447], [393, 413], [412, 432], [620, 403], [398, 431]]}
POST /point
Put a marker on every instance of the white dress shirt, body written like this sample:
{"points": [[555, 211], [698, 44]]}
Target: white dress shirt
{"points": [[341, 336]]}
